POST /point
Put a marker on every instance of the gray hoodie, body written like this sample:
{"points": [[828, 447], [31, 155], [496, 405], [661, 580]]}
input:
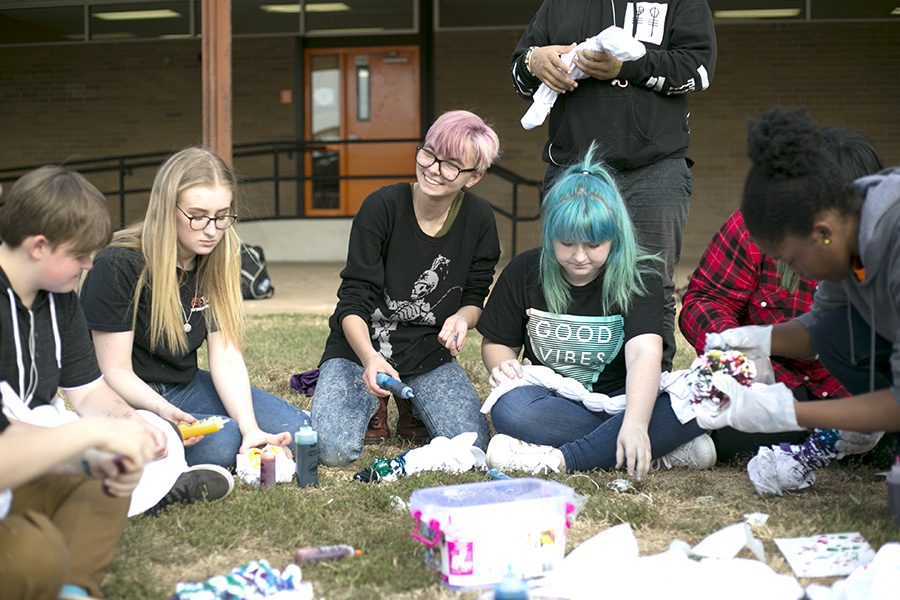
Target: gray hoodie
{"points": [[877, 299]]}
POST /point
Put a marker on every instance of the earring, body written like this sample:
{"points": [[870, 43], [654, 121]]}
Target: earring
{"points": [[826, 241]]}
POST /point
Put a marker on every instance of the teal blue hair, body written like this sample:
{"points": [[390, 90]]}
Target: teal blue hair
{"points": [[584, 205]]}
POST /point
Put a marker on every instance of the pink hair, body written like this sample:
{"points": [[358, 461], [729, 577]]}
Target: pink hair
{"points": [[458, 132]]}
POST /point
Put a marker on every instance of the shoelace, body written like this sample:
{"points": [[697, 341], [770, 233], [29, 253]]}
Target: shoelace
{"points": [[541, 466]]}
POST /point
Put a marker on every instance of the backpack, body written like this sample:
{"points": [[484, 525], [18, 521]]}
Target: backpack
{"points": [[255, 281]]}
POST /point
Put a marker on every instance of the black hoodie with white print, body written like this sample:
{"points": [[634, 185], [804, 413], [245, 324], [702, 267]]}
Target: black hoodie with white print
{"points": [[640, 117], [43, 348]]}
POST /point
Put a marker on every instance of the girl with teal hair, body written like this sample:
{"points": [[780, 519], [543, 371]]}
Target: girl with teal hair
{"points": [[588, 303]]}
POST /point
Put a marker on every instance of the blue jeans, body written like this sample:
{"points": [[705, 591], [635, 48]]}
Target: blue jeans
{"points": [[199, 398], [586, 439], [848, 354], [342, 407], [844, 345], [657, 197]]}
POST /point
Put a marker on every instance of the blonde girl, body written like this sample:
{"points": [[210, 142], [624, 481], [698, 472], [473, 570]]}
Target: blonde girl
{"points": [[163, 287]]}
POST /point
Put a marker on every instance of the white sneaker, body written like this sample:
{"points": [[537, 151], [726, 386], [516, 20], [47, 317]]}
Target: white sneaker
{"points": [[506, 453], [699, 453]]}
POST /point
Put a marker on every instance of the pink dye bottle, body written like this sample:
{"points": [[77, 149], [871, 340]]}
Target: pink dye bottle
{"points": [[267, 470]]}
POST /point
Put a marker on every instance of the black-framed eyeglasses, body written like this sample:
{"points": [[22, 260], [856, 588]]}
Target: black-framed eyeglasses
{"points": [[200, 223], [425, 158]]}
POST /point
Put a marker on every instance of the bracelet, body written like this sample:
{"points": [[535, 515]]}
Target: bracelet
{"points": [[528, 59]]}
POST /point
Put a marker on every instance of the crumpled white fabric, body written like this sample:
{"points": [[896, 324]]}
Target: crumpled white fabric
{"points": [[773, 470], [247, 465], [678, 573], [614, 40], [159, 475], [675, 383], [456, 455], [879, 580]]}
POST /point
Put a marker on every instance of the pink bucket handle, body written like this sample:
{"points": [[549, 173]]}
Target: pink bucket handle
{"points": [[570, 508], [433, 525]]}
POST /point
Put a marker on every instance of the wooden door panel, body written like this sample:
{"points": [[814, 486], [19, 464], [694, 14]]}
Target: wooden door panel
{"points": [[380, 91]]}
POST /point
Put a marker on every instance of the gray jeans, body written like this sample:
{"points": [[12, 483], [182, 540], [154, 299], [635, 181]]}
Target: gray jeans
{"points": [[657, 197], [342, 407]]}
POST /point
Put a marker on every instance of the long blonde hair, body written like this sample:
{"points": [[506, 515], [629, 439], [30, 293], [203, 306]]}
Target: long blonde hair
{"points": [[218, 273]]}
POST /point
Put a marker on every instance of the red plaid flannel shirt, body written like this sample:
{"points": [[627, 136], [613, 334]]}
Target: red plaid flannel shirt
{"points": [[736, 284]]}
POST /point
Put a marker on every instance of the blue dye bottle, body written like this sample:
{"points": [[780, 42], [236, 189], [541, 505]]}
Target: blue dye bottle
{"points": [[511, 587], [397, 388]]}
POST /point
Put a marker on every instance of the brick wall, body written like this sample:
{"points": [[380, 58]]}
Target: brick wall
{"points": [[845, 73], [89, 100], [65, 103], [80, 101]]}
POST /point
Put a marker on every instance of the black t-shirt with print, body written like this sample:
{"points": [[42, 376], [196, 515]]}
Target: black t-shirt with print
{"points": [[107, 296], [77, 358], [404, 283], [583, 343]]}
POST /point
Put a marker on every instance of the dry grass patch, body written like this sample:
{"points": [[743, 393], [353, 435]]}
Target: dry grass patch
{"points": [[196, 542]]}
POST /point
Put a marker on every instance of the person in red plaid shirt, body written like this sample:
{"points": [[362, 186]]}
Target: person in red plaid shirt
{"points": [[736, 284]]}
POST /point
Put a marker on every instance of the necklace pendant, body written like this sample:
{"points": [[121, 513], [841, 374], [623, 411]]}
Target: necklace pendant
{"points": [[187, 327]]}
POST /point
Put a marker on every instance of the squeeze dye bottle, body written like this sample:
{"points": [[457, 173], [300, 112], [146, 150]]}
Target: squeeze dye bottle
{"points": [[397, 388], [202, 427], [317, 553], [306, 453], [497, 474], [893, 481], [511, 587], [267, 470]]}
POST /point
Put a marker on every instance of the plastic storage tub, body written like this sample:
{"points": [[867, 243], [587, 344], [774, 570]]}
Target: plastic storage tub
{"points": [[485, 529]]}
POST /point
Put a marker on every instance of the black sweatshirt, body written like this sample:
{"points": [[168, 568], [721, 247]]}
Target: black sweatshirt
{"points": [[642, 116], [405, 283]]}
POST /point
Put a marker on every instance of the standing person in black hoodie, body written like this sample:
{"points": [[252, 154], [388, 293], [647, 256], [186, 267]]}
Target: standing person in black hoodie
{"points": [[636, 111]]}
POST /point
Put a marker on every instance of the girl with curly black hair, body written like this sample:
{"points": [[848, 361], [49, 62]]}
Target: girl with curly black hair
{"points": [[798, 209]]}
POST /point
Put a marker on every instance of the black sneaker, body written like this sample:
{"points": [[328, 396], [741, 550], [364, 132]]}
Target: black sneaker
{"points": [[200, 483]]}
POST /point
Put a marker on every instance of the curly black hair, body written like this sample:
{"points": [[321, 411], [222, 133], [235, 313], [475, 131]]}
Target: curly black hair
{"points": [[793, 177]]}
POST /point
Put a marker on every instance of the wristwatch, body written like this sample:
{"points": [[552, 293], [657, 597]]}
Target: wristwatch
{"points": [[528, 59]]}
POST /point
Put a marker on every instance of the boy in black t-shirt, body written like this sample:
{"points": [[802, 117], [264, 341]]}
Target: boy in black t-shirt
{"points": [[65, 483]]}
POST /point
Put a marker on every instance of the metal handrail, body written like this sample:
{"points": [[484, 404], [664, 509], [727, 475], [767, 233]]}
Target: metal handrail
{"points": [[125, 166]]}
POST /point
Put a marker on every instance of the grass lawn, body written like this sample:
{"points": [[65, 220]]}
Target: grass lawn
{"points": [[196, 542]]}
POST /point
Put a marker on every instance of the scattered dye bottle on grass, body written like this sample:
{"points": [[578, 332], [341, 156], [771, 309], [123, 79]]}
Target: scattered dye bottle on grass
{"points": [[267, 470], [319, 553], [306, 453], [511, 587]]}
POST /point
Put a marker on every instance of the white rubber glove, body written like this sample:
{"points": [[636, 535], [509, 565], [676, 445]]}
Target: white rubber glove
{"points": [[768, 408], [753, 340], [854, 442]]}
